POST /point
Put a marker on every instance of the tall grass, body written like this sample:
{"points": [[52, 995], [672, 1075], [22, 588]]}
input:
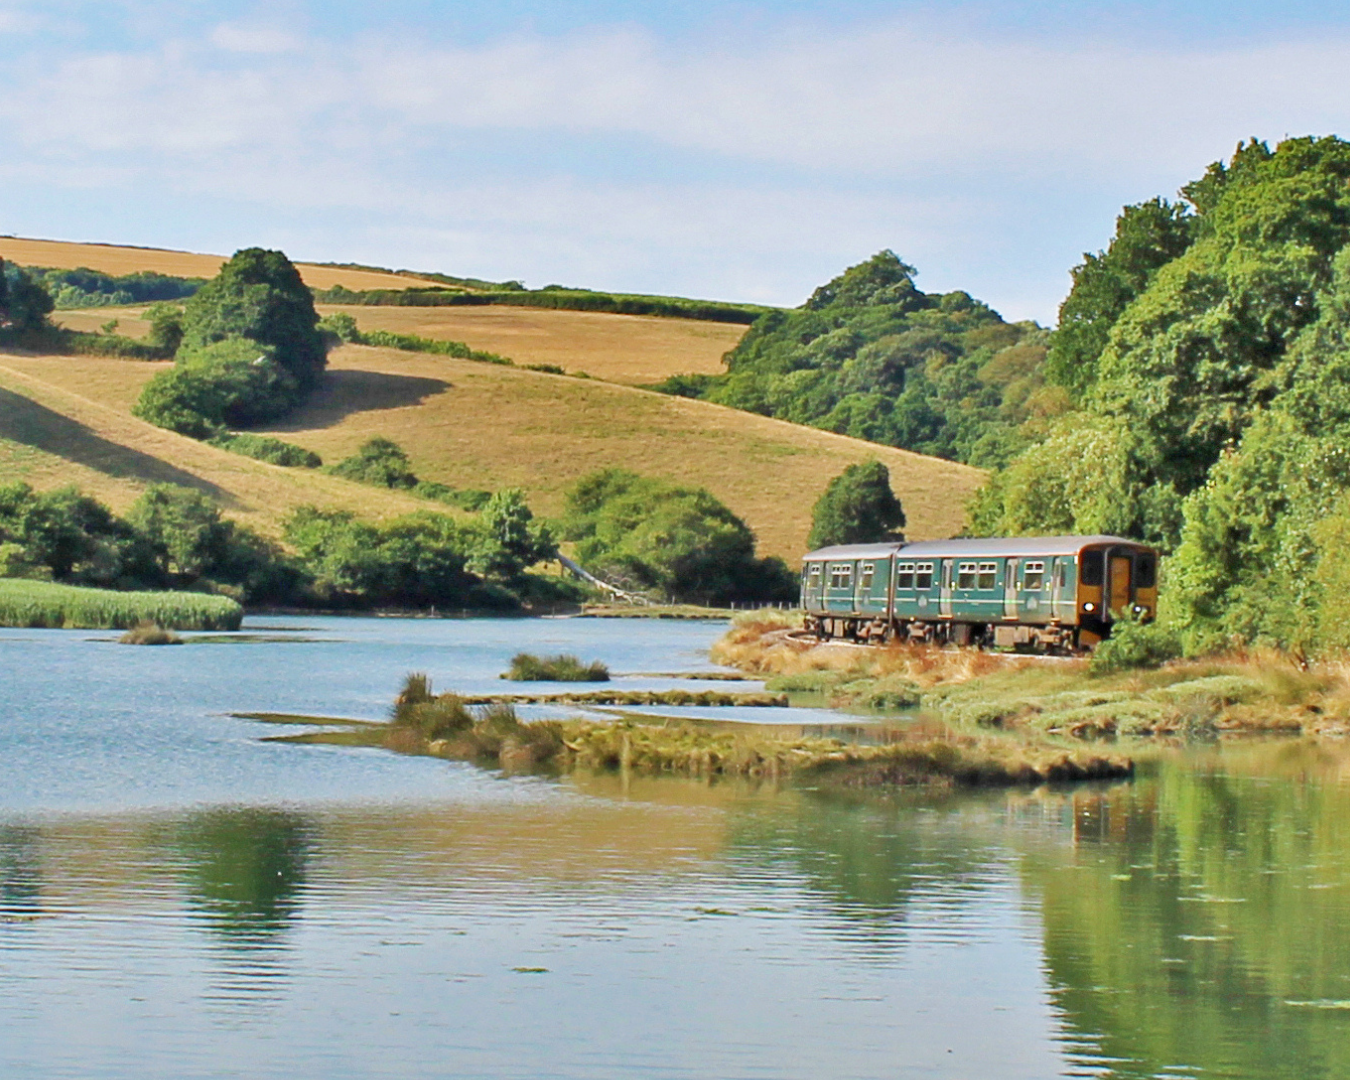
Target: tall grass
{"points": [[43, 604], [526, 667]]}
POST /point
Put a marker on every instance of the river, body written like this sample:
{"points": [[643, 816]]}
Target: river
{"points": [[179, 898]]}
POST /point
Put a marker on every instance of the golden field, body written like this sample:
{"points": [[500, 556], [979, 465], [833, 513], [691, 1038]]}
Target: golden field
{"points": [[463, 423], [631, 349], [111, 259]]}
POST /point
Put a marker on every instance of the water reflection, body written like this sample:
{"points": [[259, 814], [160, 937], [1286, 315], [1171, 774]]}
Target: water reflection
{"points": [[1199, 923], [245, 870], [20, 872]]}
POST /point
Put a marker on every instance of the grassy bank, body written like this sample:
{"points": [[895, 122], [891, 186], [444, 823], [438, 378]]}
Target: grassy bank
{"points": [[1237, 692], [42, 604]]}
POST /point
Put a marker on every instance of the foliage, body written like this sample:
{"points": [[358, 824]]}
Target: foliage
{"points": [[509, 540], [857, 507], [1209, 350], [85, 288], [24, 303], [266, 448], [871, 356], [380, 462], [526, 667], [259, 295], [649, 535], [234, 382], [1133, 645], [54, 606], [552, 297]]}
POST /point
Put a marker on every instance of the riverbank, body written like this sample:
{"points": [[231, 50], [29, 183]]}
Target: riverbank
{"points": [[46, 605], [1249, 692]]}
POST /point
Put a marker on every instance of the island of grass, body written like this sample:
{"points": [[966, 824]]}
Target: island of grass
{"points": [[47, 605], [526, 667]]}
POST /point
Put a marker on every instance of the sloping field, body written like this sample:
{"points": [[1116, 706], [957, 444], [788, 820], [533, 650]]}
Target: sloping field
{"points": [[463, 423], [631, 349], [479, 425], [110, 259], [65, 420]]}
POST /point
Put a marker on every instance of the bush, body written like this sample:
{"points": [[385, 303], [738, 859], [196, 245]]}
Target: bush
{"points": [[149, 633], [234, 382], [1134, 645], [857, 507], [564, 667], [380, 462], [266, 448]]}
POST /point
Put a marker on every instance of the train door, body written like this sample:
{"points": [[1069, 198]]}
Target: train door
{"points": [[1119, 583], [945, 593], [812, 586], [1061, 593], [1010, 589]]}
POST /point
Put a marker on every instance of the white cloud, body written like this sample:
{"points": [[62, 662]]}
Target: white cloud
{"points": [[792, 152]]}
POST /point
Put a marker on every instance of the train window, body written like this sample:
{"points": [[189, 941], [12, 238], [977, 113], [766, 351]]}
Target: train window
{"points": [[1145, 570], [1034, 576], [923, 575], [1063, 573], [814, 581], [1091, 567], [988, 575], [841, 576], [965, 576], [904, 576], [868, 572]]}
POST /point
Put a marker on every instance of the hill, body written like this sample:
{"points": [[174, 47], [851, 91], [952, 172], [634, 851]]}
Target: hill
{"points": [[465, 424], [113, 259]]}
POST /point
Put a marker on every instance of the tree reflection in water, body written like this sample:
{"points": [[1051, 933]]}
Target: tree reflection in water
{"points": [[20, 872]]}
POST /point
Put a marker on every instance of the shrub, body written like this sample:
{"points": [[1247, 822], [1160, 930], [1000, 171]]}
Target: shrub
{"points": [[1134, 645], [230, 383], [526, 667], [149, 633], [380, 462], [266, 448]]}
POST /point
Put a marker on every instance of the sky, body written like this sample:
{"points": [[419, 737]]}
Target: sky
{"points": [[738, 151]]}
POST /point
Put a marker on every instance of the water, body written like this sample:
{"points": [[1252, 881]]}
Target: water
{"points": [[179, 899]]}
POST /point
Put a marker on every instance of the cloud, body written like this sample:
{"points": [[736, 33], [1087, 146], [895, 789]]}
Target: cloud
{"points": [[611, 152]]}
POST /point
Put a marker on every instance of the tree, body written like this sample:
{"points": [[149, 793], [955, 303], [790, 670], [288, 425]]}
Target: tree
{"points": [[511, 540], [185, 527], [679, 542], [24, 303], [857, 507], [259, 295], [379, 461]]}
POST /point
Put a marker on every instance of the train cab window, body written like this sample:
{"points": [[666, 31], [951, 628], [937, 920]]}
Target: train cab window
{"points": [[1145, 570], [841, 576], [965, 576], [988, 576], [869, 571], [1091, 567], [923, 575], [1034, 576], [904, 576]]}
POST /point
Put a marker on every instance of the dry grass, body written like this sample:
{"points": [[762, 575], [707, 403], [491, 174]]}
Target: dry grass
{"points": [[66, 420], [112, 259], [479, 425], [465, 424], [632, 349]]}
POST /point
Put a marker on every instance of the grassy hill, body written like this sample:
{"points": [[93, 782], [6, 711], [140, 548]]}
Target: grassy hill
{"points": [[112, 259], [466, 424]]}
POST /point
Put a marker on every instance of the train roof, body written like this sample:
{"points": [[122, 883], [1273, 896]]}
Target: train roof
{"points": [[995, 547]]}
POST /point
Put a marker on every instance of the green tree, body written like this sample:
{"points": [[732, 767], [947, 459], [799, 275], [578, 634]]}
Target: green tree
{"points": [[379, 461], [259, 295], [190, 537], [24, 303], [857, 507], [510, 540]]}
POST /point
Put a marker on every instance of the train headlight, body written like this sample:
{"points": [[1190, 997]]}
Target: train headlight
{"points": [[1089, 606], [1139, 609]]}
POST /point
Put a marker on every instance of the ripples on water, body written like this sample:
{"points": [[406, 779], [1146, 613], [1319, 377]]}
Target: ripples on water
{"points": [[178, 899]]}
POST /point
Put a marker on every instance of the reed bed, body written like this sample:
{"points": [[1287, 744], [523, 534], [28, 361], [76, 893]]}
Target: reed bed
{"points": [[46, 605]]}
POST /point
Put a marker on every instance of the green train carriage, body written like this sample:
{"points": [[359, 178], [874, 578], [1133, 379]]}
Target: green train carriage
{"points": [[1056, 592]]}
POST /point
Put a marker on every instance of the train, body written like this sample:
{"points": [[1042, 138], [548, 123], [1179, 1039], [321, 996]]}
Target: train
{"points": [[1047, 593]]}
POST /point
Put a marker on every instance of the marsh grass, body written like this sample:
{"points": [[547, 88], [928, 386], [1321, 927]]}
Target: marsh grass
{"points": [[149, 633], [526, 667], [46, 605]]}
